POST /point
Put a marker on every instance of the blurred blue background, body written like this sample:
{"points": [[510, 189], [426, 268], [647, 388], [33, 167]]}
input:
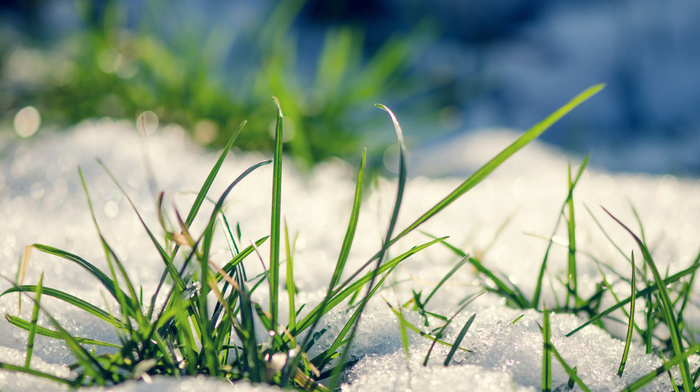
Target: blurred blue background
{"points": [[446, 67]]}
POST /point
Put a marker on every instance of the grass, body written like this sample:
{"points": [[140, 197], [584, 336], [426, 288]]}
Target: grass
{"points": [[119, 65], [186, 336]]}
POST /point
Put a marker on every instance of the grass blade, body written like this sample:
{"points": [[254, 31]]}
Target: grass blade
{"points": [[572, 275], [517, 298], [35, 319], [442, 329], [291, 289], [275, 222], [649, 377], [65, 297], [667, 307], [571, 372], [37, 373], [420, 332], [39, 330], [386, 243], [444, 279], [630, 325], [457, 341], [540, 278], [546, 354], [339, 266], [210, 178], [485, 170], [94, 271], [643, 293]]}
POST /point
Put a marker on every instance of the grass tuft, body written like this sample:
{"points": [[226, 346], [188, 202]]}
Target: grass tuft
{"points": [[186, 336]]}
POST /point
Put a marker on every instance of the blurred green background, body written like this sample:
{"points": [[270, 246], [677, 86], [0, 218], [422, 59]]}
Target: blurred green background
{"points": [[445, 67], [208, 66]]}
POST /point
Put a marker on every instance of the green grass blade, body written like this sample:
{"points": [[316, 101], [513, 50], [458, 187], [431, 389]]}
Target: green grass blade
{"points": [[210, 178], [351, 329], [421, 333], [167, 259], [386, 243], [571, 372], [546, 354], [442, 329], [352, 224], [340, 265], [630, 325], [37, 373], [649, 377], [65, 297], [540, 278], [517, 298], [457, 341], [667, 307], [35, 319], [572, 276], [94, 271], [39, 330], [346, 290], [275, 218], [239, 258], [444, 279], [485, 170], [642, 293], [129, 305], [291, 289]]}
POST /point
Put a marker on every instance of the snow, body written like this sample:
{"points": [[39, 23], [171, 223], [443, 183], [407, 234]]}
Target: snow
{"points": [[41, 200]]}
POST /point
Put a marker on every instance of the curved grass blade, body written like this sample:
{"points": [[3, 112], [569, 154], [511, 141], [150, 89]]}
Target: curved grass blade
{"points": [[39, 330], [94, 271], [167, 259], [37, 373], [630, 325], [35, 318], [129, 304], [275, 219], [639, 384], [485, 170], [386, 243], [68, 298], [457, 341], [667, 307]]}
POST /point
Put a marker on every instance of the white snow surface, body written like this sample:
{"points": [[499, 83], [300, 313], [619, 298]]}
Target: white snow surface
{"points": [[41, 201]]}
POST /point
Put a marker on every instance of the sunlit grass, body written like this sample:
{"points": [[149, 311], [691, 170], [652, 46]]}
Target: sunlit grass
{"points": [[184, 335]]}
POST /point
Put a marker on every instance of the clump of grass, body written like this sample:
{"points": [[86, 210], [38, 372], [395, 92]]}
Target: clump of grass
{"points": [[184, 336], [666, 297]]}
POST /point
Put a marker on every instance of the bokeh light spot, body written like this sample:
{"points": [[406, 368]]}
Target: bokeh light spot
{"points": [[147, 123], [205, 132], [27, 121]]}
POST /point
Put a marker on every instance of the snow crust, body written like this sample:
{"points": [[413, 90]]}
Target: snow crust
{"points": [[41, 201]]}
